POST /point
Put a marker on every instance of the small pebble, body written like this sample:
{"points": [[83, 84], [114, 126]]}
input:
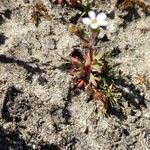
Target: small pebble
{"points": [[33, 146], [146, 115], [126, 90], [139, 113], [142, 94], [7, 126]]}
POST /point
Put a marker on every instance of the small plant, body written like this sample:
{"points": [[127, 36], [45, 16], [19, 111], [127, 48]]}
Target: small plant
{"points": [[39, 11], [90, 70], [57, 1], [83, 5], [124, 4], [70, 2]]}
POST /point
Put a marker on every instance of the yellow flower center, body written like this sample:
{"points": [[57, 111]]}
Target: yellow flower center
{"points": [[94, 21]]}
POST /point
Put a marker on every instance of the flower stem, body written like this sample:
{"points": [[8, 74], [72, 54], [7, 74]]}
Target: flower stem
{"points": [[93, 38]]}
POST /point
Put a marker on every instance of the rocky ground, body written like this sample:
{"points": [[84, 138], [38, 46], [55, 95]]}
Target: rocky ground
{"points": [[39, 110]]}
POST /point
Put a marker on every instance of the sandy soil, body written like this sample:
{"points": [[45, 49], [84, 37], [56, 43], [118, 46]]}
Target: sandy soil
{"points": [[39, 110]]}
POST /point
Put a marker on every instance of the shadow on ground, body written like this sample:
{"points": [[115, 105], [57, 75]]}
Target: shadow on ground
{"points": [[11, 140], [3, 38], [23, 64]]}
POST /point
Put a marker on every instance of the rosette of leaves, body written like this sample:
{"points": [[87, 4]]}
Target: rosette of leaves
{"points": [[87, 68], [90, 71]]}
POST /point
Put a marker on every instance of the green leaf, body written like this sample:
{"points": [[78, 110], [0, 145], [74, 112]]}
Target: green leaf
{"points": [[96, 67]]}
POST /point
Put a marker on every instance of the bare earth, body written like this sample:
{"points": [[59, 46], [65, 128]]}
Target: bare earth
{"points": [[38, 109]]}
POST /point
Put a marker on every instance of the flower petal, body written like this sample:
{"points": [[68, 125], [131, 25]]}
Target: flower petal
{"points": [[103, 23], [101, 16], [92, 14], [94, 25], [86, 21]]}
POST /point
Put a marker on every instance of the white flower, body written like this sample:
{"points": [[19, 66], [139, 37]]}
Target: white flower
{"points": [[95, 21]]}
